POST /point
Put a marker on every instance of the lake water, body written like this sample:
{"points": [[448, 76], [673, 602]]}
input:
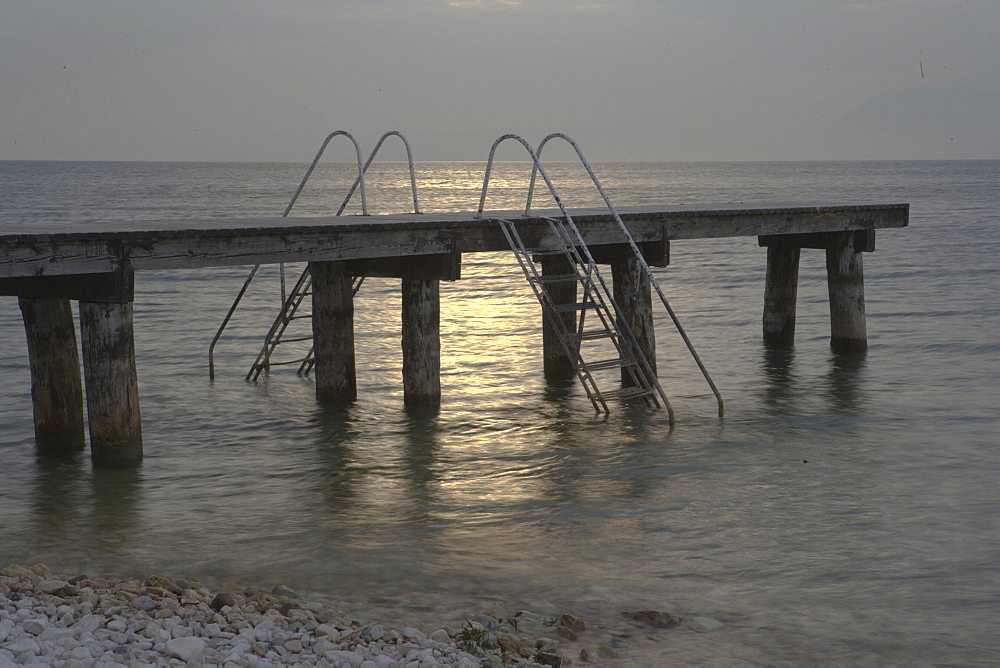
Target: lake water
{"points": [[845, 510]]}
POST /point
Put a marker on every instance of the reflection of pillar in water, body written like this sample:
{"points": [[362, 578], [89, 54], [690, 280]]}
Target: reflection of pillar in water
{"points": [[57, 499], [780, 390], [845, 382], [336, 472], [421, 453], [116, 496]]}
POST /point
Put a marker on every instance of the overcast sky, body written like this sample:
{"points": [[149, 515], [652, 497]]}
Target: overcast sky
{"points": [[628, 79]]}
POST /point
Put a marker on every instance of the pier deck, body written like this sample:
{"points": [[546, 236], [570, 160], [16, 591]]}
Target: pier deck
{"points": [[47, 265], [65, 248]]}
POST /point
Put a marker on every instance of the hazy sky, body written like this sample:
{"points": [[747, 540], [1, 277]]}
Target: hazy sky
{"points": [[628, 79]]}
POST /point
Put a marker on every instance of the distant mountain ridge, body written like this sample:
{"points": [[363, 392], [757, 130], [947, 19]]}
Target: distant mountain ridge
{"points": [[959, 119]]}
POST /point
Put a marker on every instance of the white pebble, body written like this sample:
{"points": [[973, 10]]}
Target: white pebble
{"points": [[24, 646], [81, 653], [88, 624], [185, 649], [326, 630], [34, 626]]}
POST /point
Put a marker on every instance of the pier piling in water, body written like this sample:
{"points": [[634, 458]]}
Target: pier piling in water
{"points": [[633, 294], [421, 341], [846, 281], [56, 387], [845, 284], [333, 331], [557, 365], [781, 286], [106, 336]]}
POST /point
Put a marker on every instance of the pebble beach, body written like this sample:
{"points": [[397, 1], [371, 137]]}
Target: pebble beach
{"points": [[81, 621]]}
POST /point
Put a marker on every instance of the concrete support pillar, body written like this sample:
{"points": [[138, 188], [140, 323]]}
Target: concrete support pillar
{"points": [[56, 387], [558, 366], [632, 293], [333, 331], [421, 341], [106, 335], [780, 291], [846, 282]]}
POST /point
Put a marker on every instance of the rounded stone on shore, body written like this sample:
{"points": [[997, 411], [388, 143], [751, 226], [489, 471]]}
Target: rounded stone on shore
{"points": [[34, 626], [54, 587], [489, 623], [186, 649], [222, 600]]}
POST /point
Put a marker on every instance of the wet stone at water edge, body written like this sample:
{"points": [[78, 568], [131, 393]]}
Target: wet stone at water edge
{"points": [[49, 619], [45, 620]]}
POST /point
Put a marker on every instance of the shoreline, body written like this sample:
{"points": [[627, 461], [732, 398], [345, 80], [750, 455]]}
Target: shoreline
{"points": [[77, 621]]}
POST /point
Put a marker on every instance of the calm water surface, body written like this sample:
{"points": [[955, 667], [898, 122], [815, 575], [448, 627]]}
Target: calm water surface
{"points": [[845, 510]]}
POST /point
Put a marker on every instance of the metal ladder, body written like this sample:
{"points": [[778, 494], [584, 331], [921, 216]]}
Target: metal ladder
{"points": [[628, 359], [627, 236], [289, 312], [291, 301]]}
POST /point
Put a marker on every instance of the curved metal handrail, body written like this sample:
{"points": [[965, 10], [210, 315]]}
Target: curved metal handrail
{"points": [[409, 159], [582, 246], [635, 249], [319, 154]]}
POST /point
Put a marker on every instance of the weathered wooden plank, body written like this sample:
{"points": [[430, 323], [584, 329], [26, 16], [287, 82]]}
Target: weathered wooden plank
{"points": [[106, 336], [444, 267], [115, 286], [864, 240], [739, 223], [656, 253], [421, 342], [56, 388]]}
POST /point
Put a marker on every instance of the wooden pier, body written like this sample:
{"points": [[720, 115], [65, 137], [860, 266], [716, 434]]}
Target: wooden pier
{"points": [[47, 266]]}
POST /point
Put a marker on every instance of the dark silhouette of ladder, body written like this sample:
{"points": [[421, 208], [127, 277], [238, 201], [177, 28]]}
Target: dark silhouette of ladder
{"points": [[595, 321]]}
